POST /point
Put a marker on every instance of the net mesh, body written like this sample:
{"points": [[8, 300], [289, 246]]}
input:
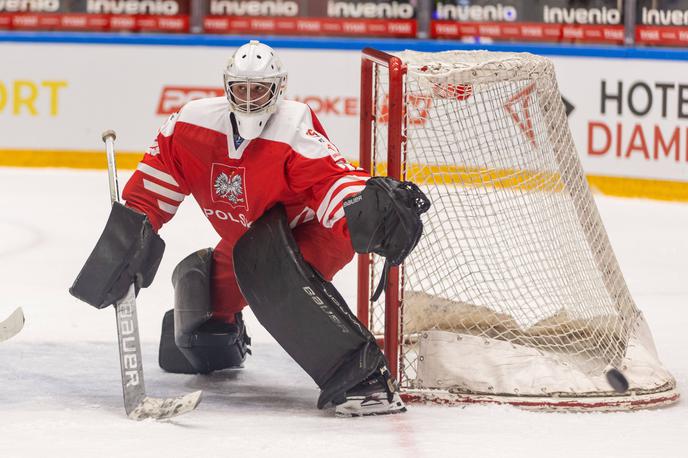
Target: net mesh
{"points": [[513, 246]]}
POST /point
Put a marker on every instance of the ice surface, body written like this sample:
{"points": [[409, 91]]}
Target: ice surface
{"points": [[59, 378]]}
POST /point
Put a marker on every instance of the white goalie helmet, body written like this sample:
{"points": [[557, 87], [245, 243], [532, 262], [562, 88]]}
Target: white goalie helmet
{"points": [[254, 80]]}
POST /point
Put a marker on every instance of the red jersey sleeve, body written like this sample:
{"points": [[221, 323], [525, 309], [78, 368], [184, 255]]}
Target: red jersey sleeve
{"points": [[319, 172], [157, 187]]}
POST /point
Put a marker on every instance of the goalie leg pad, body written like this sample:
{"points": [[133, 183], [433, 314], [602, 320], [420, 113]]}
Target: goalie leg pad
{"points": [[191, 341], [302, 311]]}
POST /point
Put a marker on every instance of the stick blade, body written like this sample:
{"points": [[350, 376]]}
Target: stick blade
{"points": [[162, 408], [12, 325]]}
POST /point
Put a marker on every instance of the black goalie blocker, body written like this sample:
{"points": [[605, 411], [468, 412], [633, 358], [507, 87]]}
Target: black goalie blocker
{"points": [[302, 311], [385, 219], [128, 251]]}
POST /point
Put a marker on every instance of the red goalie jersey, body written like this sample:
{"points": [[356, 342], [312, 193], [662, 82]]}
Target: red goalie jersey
{"points": [[235, 181]]}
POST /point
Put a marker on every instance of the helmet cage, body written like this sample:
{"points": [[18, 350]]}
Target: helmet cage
{"points": [[238, 90]]}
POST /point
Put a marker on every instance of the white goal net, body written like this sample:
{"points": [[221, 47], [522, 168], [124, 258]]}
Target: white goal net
{"points": [[514, 291]]}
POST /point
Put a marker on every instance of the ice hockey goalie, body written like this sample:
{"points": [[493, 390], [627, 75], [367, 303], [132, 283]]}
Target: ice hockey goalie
{"points": [[290, 211]]}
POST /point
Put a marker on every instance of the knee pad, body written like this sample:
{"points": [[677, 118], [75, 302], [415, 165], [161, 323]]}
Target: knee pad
{"points": [[191, 341]]}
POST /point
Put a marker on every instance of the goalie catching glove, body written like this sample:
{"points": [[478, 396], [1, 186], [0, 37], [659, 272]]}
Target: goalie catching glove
{"points": [[128, 251], [385, 219]]}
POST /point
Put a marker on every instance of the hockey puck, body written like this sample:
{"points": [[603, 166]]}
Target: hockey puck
{"points": [[617, 380]]}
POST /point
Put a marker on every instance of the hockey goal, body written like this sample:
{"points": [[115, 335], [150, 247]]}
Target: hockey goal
{"points": [[513, 294]]}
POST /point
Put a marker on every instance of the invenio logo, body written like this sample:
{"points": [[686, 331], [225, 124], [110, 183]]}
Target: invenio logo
{"points": [[476, 13], [254, 8], [155, 7], [33, 6], [655, 16], [602, 15], [370, 10]]}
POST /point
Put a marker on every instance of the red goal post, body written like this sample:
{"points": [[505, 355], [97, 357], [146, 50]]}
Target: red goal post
{"points": [[368, 125]]}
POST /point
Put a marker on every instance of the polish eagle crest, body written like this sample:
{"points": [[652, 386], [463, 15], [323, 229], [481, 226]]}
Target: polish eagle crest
{"points": [[229, 187]]}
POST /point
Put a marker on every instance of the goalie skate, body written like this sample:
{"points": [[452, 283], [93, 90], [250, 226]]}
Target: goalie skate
{"points": [[377, 395]]}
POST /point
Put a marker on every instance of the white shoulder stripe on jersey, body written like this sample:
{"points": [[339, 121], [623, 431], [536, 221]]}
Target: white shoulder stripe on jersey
{"points": [[329, 222], [347, 179], [155, 173], [157, 189], [340, 196], [167, 208], [307, 213]]}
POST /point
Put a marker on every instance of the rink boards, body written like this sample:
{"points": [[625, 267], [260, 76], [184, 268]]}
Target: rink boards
{"points": [[628, 109]]}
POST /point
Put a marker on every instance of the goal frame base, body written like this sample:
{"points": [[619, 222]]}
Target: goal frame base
{"points": [[619, 403]]}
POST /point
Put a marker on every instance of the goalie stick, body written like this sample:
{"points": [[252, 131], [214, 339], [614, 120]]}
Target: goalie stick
{"points": [[12, 325], [137, 405]]}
